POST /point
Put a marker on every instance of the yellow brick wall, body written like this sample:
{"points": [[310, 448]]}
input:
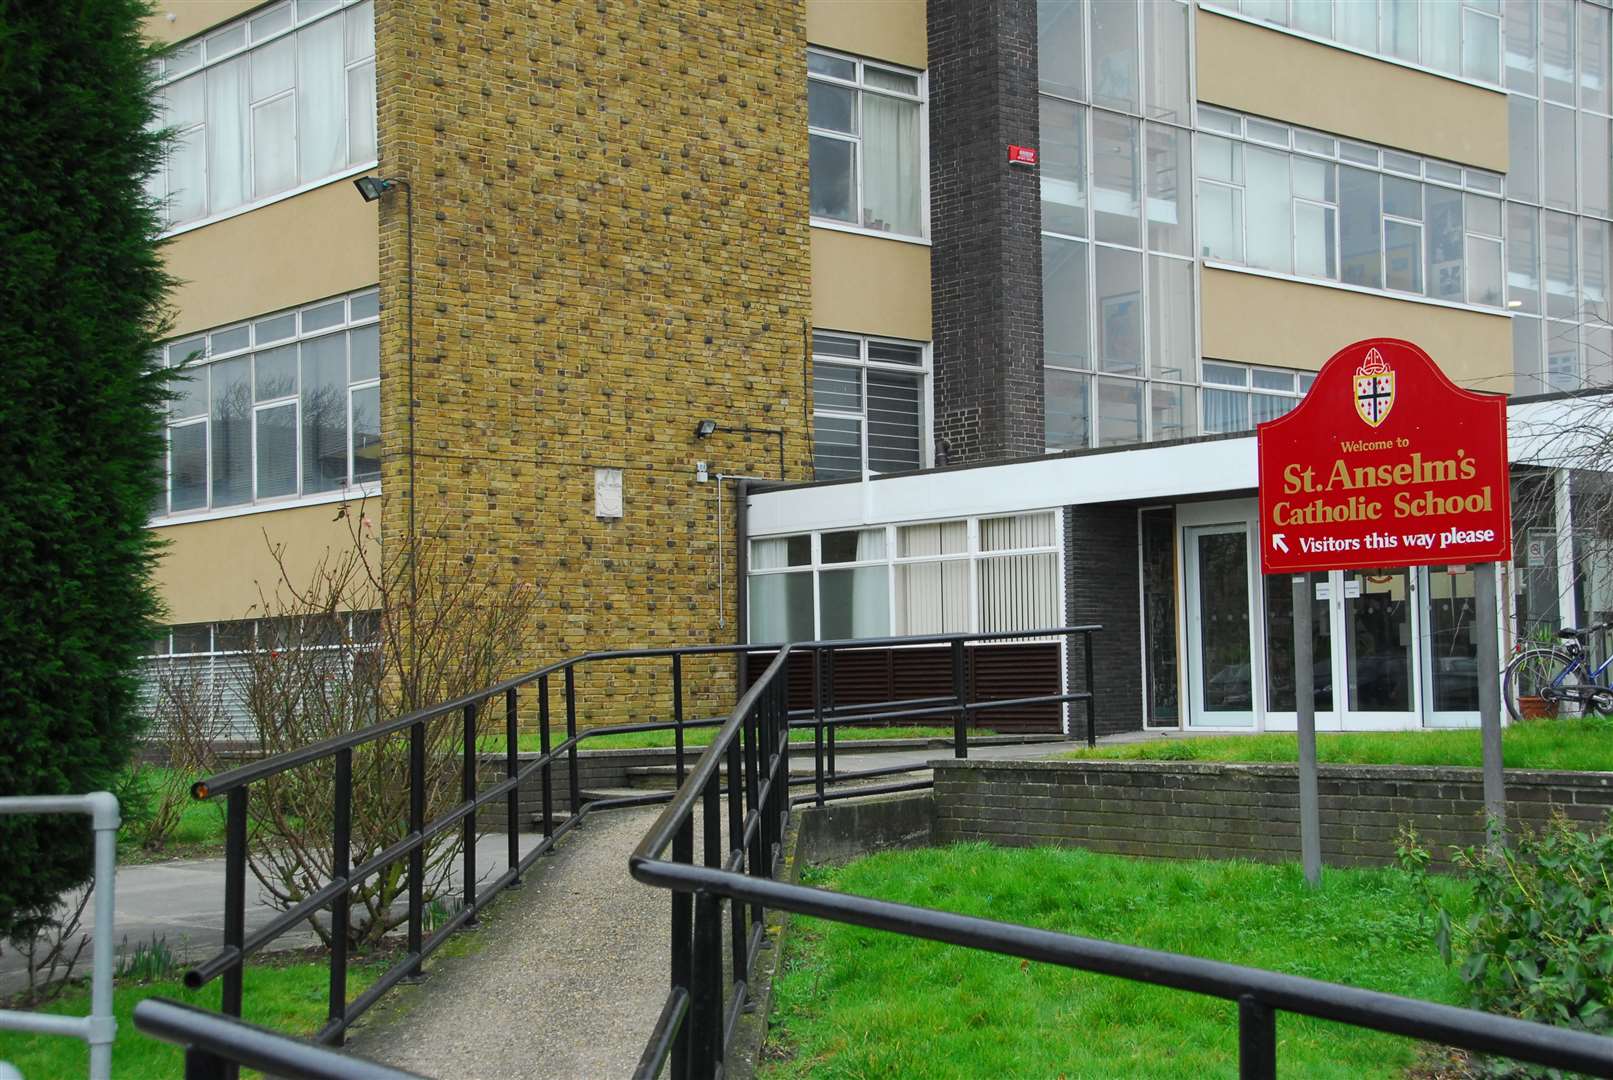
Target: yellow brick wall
{"points": [[610, 243]]}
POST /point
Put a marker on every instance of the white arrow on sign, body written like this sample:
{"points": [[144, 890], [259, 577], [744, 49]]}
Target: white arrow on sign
{"points": [[1278, 542]]}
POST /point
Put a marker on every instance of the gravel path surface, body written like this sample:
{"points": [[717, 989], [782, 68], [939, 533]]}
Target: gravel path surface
{"points": [[566, 982]]}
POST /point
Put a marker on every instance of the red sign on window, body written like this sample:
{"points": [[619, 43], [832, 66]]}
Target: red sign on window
{"points": [[1386, 462], [1021, 155]]}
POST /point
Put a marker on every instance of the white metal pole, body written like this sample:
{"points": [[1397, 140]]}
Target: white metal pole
{"points": [[1310, 823]]}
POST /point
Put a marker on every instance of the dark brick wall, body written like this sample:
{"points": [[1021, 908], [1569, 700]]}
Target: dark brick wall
{"points": [[1100, 586], [985, 223], [1188, 810]]}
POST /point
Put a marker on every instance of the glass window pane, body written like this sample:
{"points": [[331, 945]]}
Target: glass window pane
{"points": [[1171, 412], [187, 456], [889, 352], [1268, 211], [231, 423], [1444, 243], [1358, 25], [781, 607], [1224, 411], [367, 434], [1063, 167], [193, 638], [323, 317], [1170, 318], [1562, 292], [1019, 592], [1403, 256], [834, 345], [1593, 269], [1562, 357], [1314, 180], [1264, 407], [1267, 132], [886, 79], [1481, 47], [324, 414], [854, 603], [1120, 316], [1404, 163], [1593, 57], [271, 22], [274, 146], [833, 181], [1403, 198], [1442, 36], [1170, 225], [1064, 409], [1060, 53], [364, 305], [1528, 371], [321, 100], [1116, 179], [227, 179], [1520, 48], [1313, 17], [235, 339], [1120, 412], [1220, 159], [1221, 222], [936, 538], [1225, 374], [1271, 10], [1315, 144], [780, 551], [1556, 51], [894, 422], [273, 69], [365, 344], [1483, 215], [1523, 259], [932, 598], [1438, 170], [837, 447], [1165, 34], [1558, 155], [1360, 238], [277, 451], [1356, 152], [1315, 254], [1216, 120], [361, 114], [855, 545], [1596, 355], [187, 176], [1593, 166], [1483, 271], [1266, 379], [1017, 532], [836, 387], [1064, 303], [189, 388], [823, 64], [277, 328], [832, 108], [360, 31], [1114, 56], [275, 373], [891, 165], [1400, 28]]}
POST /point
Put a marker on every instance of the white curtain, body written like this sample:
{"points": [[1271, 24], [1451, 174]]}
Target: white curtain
{"points": [[1014, 533], [891, 181], [1019, 592], [769, 554], [226, 136], [932, 597], [321, 94]]}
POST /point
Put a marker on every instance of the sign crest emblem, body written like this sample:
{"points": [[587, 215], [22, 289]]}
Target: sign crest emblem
{"points": [[1374, 389]]}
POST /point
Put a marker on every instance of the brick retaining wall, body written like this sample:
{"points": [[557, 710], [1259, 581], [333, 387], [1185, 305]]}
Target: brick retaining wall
{"points": [[1191, 810]]}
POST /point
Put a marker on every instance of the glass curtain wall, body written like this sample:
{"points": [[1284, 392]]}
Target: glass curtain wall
{"points": [[1118, 280]]}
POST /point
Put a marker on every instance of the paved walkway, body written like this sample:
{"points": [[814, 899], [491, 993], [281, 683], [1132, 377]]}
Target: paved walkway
{"points": [[568, 977]]}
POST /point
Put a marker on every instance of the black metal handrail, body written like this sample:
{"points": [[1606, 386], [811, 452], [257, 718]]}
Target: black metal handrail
{"points": [[697, 1022], [823, 717]]}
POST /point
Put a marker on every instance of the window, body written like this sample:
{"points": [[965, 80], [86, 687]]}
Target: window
{"points": [[1303, 203], [213, 659], [266, 104], [1457, 37], [869, 408], [962, 576], [866, 135], [282, 406], [1237, 397]]}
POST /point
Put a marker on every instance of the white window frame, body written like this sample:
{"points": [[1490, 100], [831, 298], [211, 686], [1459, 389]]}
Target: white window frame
{"points": [[863, 365], [859, 87], [1303, 381]]}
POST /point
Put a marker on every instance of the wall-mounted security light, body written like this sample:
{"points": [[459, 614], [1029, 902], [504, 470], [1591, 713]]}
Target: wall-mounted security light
{"points": [[704, 429], [373, 187]]}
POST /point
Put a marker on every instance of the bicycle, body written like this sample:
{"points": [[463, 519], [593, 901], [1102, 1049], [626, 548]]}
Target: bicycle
{"points": [[1564, 678]]}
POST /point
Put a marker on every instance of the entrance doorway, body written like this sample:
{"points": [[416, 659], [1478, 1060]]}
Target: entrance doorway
{"points": [[1220, 649]]}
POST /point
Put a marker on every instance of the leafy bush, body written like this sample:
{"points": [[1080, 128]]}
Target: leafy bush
{"points": [[1539, 942]]}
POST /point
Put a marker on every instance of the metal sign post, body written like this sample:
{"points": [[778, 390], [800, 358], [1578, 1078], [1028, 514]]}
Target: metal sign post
{"points": [[1310, 817], [1489, 672]]}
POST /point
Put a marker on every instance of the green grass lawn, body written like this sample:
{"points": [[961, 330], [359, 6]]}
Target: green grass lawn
{"points": [[286, 997], [199, 832], [861, 1003], [1581, 745], [657, 740]]}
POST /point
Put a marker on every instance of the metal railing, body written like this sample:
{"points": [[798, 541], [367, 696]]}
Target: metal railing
{"points": [[99, 1028], [332, 897], [698, 1019]]}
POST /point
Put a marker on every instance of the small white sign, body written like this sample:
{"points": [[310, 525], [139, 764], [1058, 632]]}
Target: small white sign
{"points": [[1324, 590], [607, 493], [1352, 588]]}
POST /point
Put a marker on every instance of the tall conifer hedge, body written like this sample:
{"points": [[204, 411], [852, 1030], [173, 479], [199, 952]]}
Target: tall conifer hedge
{"points": [[81, 305]]}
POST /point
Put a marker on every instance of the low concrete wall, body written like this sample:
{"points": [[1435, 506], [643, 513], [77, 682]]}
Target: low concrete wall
{"points": [[1192, 810], [842, 831]]}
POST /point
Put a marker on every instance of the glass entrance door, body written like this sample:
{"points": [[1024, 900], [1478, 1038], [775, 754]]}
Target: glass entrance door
{"points": [[1280, 708], [1220, 652], [1452, 663]]}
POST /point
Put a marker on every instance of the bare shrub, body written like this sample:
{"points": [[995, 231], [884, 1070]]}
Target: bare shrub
{"points": [[352, 646], [50, 956], [188, 724]]}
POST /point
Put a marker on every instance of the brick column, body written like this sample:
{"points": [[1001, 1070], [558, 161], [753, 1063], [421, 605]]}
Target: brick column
{"points": [[985, 217], [1100, 586]]}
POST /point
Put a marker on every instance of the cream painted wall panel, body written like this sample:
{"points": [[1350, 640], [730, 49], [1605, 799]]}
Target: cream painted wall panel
{"points": [[215, 569], [1261, 320], [1270, 73], [303, 248], [892, 30], [866, 285], [176, 20]]}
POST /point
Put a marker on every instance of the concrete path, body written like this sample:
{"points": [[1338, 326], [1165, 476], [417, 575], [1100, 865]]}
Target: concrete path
{"points": [[566, 982]]}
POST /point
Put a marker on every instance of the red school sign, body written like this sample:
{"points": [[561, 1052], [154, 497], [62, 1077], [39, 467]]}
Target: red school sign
{"points": [[1386, 462]]}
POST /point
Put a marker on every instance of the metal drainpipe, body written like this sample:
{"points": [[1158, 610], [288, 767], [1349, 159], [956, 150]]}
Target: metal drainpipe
{"points": [[741, 568]]}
